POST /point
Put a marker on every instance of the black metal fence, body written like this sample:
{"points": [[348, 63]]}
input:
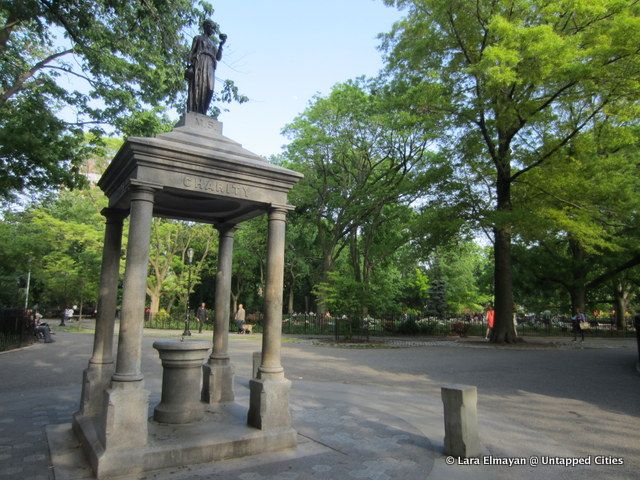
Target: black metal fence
{"points": [[365, 327], [16, 328]]}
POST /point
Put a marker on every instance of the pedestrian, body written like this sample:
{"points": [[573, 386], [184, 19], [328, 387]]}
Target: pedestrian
{"points": [[67, 314], [201, 316], [239, 318], [490, 315], [579, 322]]}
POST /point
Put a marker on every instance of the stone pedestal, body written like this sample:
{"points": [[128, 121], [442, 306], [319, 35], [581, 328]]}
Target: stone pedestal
{"points": [[95, 379], [257, 360], [461, 437], [124, 423], [217, 382], [181, 363], [269, 404]]}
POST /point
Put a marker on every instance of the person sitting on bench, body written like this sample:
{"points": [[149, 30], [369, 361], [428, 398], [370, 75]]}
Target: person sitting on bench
{"points": [[42, 329]]}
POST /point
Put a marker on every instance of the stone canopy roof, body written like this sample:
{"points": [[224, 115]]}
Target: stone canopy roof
{"points": [[198, 173]]}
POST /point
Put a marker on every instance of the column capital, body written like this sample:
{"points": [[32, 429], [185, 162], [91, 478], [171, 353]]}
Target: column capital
{"points": [[114, 215], [142, 191], [226, 229], [278, 212]]}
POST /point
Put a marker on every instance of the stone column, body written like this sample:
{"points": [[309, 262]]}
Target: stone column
{"points": [[97, 375], [217, 385], [127, 402], [269, 393]]}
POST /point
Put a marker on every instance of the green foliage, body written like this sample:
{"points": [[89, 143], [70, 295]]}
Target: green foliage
{"points": [[60, 241], [169, 268], [460, 328], [123, 62], [512, 83]]}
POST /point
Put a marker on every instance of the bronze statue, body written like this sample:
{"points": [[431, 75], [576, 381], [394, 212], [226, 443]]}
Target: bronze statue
{"points": [[201, 71]]}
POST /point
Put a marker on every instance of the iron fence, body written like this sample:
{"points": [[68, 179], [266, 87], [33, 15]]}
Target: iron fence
{"points": [[365, 327], [16, 328]]}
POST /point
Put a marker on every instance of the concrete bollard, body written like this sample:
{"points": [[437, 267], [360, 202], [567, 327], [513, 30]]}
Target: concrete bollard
{"points": [[257, 360], [461, 437]]}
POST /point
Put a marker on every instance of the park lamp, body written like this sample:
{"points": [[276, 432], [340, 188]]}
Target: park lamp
{"points": [[187, 332]]}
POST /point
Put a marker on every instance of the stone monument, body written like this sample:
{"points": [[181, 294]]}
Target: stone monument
{"points": [[192, 173]]}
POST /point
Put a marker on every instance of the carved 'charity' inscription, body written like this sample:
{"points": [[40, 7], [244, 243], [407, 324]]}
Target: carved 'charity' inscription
{"points": [[215, 186]]}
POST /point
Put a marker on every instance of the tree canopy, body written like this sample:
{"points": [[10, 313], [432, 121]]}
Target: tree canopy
{"points": [[68, 66], [514, 82]]}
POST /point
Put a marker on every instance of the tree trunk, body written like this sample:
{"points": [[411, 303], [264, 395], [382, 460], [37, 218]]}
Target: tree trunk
{"points": [[503, 330], [327, 263], [355, 255], [234, 304], [155, 303], [290, 303], [578, 295], [621, 298], [578, 289]]}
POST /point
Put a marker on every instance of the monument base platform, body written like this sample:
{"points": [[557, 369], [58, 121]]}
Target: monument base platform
{"points": [[222, 434]]}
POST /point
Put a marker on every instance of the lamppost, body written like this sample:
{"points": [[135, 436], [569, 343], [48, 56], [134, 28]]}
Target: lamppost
{"points": [[187, 332], [26, 298]]}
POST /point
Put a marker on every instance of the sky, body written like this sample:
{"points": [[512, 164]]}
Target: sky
{"points": [[280, 53]]}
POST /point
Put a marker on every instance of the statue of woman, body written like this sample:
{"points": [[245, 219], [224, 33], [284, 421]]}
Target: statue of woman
{"points": [[201, 71]]}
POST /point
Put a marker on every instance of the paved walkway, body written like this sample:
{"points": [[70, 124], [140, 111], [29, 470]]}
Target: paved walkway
{"points": [[374, 413]]}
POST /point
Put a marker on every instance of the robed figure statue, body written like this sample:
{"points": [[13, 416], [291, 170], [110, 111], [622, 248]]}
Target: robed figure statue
{"points": [[201, 71]]}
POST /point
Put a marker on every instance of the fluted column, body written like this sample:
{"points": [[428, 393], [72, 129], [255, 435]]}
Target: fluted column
{"points": [[217, 385], [98, 373]]}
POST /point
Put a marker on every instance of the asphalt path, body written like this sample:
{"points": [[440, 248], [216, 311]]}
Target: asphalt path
{"points": [[573, 400]]}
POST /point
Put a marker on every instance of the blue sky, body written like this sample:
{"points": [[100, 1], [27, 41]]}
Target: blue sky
{"points": [[282, 52]]}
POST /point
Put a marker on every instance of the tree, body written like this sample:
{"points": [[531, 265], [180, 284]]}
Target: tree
{"points": [[170, 240], [61, 240], [582, 221], [358, 154], [125, 63], [503, 76], [249, 264]]}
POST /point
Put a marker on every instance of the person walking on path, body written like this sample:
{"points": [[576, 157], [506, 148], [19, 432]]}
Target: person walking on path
{"points": [[239, 318], [491, 314], [202, 316], [578, 321], [67, 314]]}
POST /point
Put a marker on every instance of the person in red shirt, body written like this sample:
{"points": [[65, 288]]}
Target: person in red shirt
{"points": [[490, 315]]}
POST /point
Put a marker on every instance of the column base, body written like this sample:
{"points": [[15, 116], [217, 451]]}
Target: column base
{"points": [[96, 378], [217, 383], [124, 421], [269, 403]]}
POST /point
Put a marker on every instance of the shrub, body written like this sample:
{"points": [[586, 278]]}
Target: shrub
{"points": [[427, 326], [408, 327], [460, 328]]}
